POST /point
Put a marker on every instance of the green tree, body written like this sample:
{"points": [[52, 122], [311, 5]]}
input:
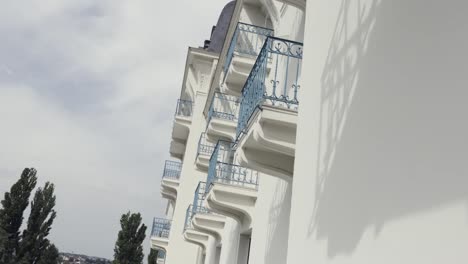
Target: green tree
{"points": [[50, 255], [34, 240], [128, 247], [153, 256], [11, 214]]}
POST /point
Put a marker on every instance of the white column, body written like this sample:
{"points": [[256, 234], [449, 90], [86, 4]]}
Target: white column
{"points": [[210, 256], [230, 248]]}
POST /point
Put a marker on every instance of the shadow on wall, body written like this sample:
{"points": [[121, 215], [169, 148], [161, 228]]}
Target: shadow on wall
{"points": [[277, 233], [393, 138]]}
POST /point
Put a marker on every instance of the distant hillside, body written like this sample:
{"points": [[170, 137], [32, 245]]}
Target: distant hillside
{"points": [[69, 258]]}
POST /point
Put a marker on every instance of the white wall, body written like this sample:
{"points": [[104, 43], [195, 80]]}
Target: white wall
{"points": [[190, 176], [271, 221], [380, 173]]}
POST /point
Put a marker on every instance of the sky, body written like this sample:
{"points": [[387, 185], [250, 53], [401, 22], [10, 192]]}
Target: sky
{"points": [[88, 91]]}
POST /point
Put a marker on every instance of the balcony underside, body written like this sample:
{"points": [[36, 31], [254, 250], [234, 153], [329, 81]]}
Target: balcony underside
{"points": [[210, 223], [233, 201], [197, 238], [177, 148], [180, 132], [223, 129], [169, 188], [169, 195], [159, 243], [203, 161], [237, 74], [270, 141]]}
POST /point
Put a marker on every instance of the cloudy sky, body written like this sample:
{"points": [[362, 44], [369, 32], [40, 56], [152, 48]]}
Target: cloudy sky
{"points": [[87, 97]]}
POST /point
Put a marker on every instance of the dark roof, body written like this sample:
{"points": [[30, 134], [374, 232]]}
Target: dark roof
{"points": [[219, 32]]}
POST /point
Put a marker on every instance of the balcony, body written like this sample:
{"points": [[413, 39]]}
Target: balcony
{"points": [[230, 189], [201, 218], [204, 151], [171, 180], [245, 46], [266, 130], [191, 234], [223, 117], [181, 127], [161, 257], [160, 233]]}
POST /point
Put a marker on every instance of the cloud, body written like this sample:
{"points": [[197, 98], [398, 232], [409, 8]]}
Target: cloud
{"points": [[87, 95]]}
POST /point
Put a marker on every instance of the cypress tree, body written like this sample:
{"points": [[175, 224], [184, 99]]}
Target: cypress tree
{"points": [[128, 247], [34, 243], [11, 214], [50, 255], [153, 256]]}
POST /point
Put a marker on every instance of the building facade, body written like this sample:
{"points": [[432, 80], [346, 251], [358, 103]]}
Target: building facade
{"points": [[326, 131]]}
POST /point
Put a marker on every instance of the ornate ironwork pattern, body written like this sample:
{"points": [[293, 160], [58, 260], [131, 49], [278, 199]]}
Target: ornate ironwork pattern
{"points": [[161, 227], [273, 80], [224, 106], [247, 40], [172, 169], [204, 146], [184, 108], [236, 175]]}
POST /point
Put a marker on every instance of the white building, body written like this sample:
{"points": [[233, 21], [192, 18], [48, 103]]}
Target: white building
{"points": [[348, 148]]}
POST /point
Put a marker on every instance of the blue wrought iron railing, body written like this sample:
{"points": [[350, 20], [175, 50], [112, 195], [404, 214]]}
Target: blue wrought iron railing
{"points": [[224, 106], [235, 175], [273, 80], [184, 108], [188, 218], [199, 194], [205, 147], [190, 213], [247, 40], [172, 169], [222, 170], [161, 254], [161, 227], [222, 153]]}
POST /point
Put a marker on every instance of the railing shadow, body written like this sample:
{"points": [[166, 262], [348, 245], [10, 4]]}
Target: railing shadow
{"points": [[392, 136]]}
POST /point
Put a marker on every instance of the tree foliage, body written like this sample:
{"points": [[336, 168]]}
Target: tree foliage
{"points": [[50, 255], [31, 246], [41, 218], [11, 214], [128, 247], [153, 256]]}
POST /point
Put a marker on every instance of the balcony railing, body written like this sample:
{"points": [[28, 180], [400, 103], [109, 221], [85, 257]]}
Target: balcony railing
{"points": [[222, 170], [224, 106], [223, 152], [161, 254], [190, 213], [204, 146], [277, 87], [234, 175], [247, 40], [184, 108], [161, 227], [188, 218], [199, 194], [172, 169]]}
